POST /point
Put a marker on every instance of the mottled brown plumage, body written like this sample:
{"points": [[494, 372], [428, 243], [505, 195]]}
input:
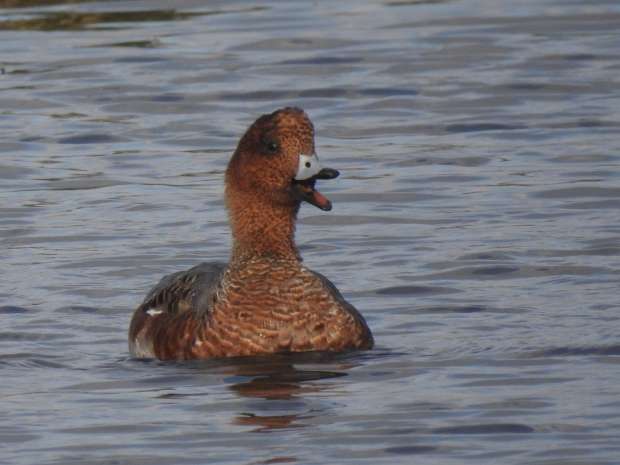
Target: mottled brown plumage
{"points": [[264, 300]]}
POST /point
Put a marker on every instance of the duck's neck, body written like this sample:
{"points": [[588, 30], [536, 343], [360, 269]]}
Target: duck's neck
{"points": [[261, 229]]}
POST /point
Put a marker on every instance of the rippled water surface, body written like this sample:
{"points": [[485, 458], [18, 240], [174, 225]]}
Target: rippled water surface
{"points": [[476, 225]]}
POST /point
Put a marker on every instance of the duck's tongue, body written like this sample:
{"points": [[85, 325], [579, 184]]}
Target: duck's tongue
{"points": [[321, 201], [304, 190]]}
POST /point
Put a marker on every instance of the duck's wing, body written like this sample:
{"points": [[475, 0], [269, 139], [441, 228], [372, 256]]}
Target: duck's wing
{"points": [[185, 290], [330, 287], [177, 298], [366, 338]]}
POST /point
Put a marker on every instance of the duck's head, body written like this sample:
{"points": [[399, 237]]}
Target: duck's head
{"points": [[276, 163]]}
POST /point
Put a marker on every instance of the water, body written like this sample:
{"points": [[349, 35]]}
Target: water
{"points": [[476, 225]]}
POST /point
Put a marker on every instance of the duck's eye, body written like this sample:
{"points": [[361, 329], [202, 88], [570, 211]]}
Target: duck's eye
{"points": [[272, 146]]}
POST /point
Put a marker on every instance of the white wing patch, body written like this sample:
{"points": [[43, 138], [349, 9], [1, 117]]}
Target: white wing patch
{"points": [[154, 311]]}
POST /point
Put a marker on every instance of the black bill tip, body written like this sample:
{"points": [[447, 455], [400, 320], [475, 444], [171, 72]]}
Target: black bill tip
{"points": [[327, 173]]}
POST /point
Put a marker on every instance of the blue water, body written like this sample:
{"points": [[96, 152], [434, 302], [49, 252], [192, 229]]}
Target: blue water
{"points": [[476, 225]]}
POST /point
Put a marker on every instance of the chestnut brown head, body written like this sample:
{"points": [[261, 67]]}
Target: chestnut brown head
{"points": [[276, 162]]}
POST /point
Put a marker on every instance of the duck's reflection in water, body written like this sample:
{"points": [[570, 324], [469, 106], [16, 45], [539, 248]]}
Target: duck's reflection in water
{"points": [[291, 386]]}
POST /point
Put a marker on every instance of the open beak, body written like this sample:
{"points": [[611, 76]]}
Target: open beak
{"points": [[308, 172]]}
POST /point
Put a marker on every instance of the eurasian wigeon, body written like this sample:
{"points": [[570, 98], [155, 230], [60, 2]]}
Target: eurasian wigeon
{"points": [[264, 300]]}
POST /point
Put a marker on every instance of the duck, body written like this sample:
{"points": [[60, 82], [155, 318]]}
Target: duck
{"points": [[264, 300]]}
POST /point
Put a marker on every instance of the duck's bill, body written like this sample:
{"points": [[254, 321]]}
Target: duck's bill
{"points": [[305, 190]]}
